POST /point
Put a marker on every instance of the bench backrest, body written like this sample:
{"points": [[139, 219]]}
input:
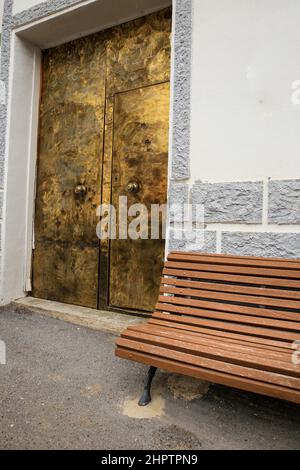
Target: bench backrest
{"points": [[246, 295]]}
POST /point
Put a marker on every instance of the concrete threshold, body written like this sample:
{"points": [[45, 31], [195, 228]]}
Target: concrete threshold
{"points": [[110, 322]]}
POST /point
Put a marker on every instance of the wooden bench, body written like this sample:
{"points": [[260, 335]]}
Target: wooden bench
{"points": [[231, 320]]}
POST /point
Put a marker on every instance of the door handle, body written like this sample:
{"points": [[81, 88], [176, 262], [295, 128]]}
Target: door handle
{"points": [[133, 187], [80, 190]]}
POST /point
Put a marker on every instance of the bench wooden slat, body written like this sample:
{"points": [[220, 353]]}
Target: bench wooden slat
{"points": [[222, 378], [179, 307], [291, 318], [220, 268], [286, 374], [238, 298], [219, 343], [229, 326], [254, 341], [238, 289], [215, 337], [236, 261], [229, 258], [237, 279], [216, 365]]}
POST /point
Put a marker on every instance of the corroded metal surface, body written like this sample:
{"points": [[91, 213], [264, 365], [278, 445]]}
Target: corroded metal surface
{"points": [[80, 82]]}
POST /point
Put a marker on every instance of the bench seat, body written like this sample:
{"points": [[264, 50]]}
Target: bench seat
{"points": [[225, 319]]}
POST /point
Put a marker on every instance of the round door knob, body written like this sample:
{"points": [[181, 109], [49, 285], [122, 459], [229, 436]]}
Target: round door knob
{"points": [[80, 190], [133, 187]]}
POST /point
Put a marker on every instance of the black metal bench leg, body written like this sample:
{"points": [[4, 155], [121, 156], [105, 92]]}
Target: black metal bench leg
{"points": [[146, 397]]}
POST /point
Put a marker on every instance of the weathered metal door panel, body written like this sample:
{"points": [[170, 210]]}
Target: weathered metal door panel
{"points": [[66, 255], [138, 57], [140, 156]]}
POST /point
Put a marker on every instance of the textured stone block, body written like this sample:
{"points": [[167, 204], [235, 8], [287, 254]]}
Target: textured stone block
{"points": [[1, 174], [182, 90], [284, 202], [1, 204], [240, 202], [277, 245], [204, 241], [178, 197]]}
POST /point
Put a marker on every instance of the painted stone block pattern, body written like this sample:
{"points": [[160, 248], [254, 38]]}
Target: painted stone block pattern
{"points": [[240, 202], [200, 241], [284, 202], [276, 245], [178, 197]]}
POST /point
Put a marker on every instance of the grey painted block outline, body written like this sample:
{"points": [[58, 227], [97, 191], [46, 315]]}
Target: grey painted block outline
{"points": [[233, 202], [270, 244], [284, 202]]}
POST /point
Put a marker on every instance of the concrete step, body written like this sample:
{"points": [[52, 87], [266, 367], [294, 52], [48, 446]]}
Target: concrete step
{"points": [[111, 322]]}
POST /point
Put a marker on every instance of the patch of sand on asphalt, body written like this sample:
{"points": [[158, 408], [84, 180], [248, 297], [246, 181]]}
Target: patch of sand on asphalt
{"points": [[187, 388], [94, 389], [156, 409]]}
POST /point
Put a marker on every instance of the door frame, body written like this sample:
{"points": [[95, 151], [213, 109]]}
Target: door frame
{"points": [[24, 36]]}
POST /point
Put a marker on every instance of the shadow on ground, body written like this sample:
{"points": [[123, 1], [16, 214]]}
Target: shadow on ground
{"points": [[63, 388]]}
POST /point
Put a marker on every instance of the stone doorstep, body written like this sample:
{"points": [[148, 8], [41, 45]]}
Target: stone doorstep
{"points": [[109, 322]]}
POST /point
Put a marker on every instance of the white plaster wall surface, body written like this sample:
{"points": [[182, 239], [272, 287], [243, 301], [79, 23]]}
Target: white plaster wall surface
{"points": [[245, 58], [244, 148]]}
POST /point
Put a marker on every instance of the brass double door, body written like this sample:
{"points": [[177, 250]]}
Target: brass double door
{"points": [[103, 134]]}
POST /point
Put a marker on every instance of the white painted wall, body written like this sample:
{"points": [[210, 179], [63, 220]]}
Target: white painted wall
{"points": [[246, 54], [22, 146]]}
